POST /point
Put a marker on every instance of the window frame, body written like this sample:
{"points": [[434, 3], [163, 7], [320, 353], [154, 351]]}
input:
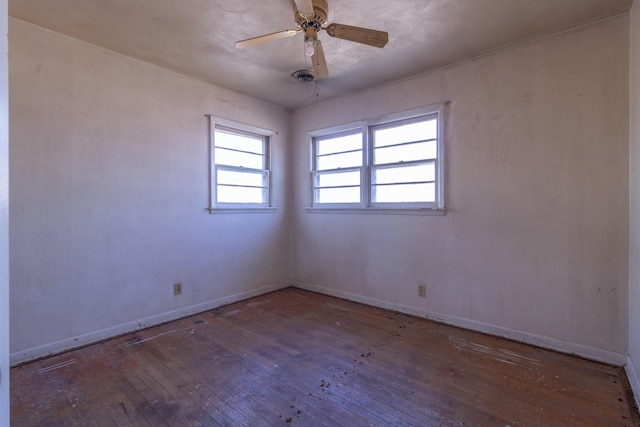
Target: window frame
{"points": [[233, 127], [367, 127], [349, 130]]}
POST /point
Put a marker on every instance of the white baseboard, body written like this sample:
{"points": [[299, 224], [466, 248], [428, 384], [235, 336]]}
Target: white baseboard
{"points": [[537, 340], [586, 352], [634, 380], [102, 334]]}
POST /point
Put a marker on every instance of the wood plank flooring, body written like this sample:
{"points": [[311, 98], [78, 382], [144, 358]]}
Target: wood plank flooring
{"points": [[294, 357]]}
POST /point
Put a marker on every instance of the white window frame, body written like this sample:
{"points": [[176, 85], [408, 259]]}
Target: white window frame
{"points": [[335, 132], [366, 127], [241, 129]]}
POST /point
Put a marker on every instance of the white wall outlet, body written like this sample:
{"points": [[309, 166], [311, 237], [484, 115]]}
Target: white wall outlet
{"points": [[422, 291], [177, 288]]}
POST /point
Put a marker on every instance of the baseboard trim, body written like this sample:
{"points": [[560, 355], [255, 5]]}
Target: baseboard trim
{"points": [[598, 355], [46, 350], [634, 381]]}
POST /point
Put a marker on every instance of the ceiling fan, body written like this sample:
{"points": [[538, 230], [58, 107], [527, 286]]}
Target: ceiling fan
{"points": [[310, 18]]}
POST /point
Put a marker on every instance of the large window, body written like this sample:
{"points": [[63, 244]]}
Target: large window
{"points": [[240, 165], [394, 162]]}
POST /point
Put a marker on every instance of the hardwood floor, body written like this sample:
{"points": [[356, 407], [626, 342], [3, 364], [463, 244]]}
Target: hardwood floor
{"points": [[298, 358]]}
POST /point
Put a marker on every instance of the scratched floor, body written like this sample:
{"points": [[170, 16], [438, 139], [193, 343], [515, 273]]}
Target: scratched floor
{"points": [[298, 358]]}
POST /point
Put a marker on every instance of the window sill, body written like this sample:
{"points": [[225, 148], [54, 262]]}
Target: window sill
{"points": [[242, 210], [378, 211]]}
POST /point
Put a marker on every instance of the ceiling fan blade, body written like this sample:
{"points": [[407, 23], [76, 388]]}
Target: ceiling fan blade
{"points": [[266, 38], [319, 63], [305, 7], [358, 34]]}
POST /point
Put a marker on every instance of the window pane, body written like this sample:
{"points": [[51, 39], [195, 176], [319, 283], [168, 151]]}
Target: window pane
{"points": [[338, 195], [337, 179], [406, 133], [253, 144], [234, 158], [406, 153], [425, 172], [339, 144], [335, 161], [241, 178], [404, 193], [228, 194]]}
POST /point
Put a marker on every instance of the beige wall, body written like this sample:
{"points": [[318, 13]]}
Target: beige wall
{"points": [[634, 247], [109, 180], [535, 242], [4, 219]]}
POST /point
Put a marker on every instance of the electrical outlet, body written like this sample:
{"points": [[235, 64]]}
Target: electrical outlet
{"points": [[177, 288], [422, 291]]}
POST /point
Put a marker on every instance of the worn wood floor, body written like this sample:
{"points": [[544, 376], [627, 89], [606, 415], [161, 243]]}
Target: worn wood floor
{"points": [[298, 358]]}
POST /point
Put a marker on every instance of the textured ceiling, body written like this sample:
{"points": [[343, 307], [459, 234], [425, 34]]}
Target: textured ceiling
{"points": [[196, 37]]}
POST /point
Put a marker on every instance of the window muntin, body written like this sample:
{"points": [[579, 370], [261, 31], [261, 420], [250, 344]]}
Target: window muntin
{"points": [[405, 174], [340, 143], [400, 167], [339, 160], [240, 166], [339, 178], [245, 186], [403, 193], [423, 129], [337, 195]]}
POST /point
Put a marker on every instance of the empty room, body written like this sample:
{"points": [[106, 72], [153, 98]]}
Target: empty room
{"points": [[320, 213]]}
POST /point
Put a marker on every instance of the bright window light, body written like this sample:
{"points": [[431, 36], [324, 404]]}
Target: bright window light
{"points": [[393, 163], [240, 166]]}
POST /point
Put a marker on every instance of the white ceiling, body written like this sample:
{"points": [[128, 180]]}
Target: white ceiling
{"points": [[196, 37]]}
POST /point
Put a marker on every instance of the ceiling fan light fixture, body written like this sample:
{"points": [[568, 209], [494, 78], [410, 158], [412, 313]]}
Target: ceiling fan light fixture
{"points": [[309, 48], [310, 39]]}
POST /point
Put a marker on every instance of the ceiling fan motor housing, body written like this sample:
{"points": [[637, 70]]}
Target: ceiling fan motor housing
{"points": [[319, 19]]}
